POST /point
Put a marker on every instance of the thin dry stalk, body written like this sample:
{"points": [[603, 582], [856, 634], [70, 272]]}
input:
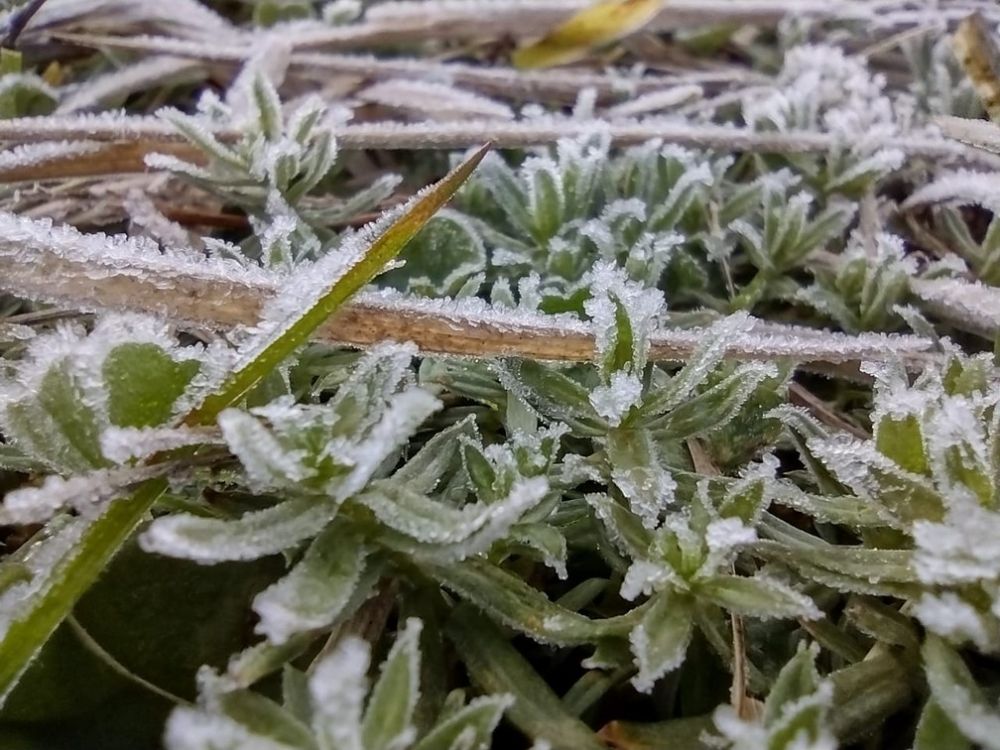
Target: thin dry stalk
{"points": [[183, 292], [131, 139]]}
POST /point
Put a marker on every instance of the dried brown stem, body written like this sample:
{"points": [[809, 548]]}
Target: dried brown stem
{"points": [[213, 299]]}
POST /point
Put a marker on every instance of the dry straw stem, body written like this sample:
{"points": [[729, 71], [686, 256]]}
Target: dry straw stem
{"points": [[472, 20], [210, 298]]}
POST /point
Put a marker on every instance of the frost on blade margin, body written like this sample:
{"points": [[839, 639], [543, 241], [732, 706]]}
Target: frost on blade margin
{"points": [[39, 556], [624, 315]]}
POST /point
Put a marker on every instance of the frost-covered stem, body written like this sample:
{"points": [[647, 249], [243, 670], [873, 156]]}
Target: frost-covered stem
{"points": [[562, 85], [401, 22], [185, 292], [395, 22], [109, 159], [74, 574]]}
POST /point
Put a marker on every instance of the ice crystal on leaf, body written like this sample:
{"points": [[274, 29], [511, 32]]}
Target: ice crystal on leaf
{"points": [[71, 388], [822, 88], [332, 464], [333, 707], [794, 717], [862, 291], [269, 171], [931, 469], [684, 566]]}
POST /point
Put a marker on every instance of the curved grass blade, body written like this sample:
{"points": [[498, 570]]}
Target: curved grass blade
{"points": [[70, 577], [353, 279]]}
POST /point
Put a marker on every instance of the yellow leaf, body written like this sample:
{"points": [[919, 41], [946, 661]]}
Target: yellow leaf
{"points": [[608, 21]]}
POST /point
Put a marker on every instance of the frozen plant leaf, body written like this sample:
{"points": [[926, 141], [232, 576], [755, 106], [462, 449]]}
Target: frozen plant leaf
{"points": [[253, 535], [955, 691], [758, 597], [605, 22], [660, 641], [389, 713], [333, 709], [316, 590], [128, 372], [432, 530], [469, 727], [638, 470], [624, 315]]}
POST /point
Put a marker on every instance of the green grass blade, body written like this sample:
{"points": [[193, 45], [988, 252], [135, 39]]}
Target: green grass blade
{"points": [[69, 579], [384, 249]]}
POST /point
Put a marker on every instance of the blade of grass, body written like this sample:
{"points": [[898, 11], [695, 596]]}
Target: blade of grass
{"points": [[71, 576], [69, 579], [384, 249]]}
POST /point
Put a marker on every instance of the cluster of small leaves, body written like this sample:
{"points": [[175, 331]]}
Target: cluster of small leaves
{"points": [[279, 159], [332, 708]]}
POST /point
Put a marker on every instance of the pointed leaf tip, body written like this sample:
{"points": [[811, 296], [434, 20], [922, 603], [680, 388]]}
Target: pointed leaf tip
{"points": [[371, 263]]}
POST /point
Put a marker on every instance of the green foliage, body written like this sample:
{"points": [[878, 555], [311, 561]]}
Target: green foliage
{"points": [[332, 707], [659, 442]]}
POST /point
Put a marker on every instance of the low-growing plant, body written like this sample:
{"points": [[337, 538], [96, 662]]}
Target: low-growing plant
{"points": [[676, 427]]}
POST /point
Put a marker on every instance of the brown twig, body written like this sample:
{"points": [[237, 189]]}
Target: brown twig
{"points": [[186, 293]]}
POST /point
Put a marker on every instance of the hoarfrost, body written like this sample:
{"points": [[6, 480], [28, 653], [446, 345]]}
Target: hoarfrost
{"points": [[611, 287], [438, 101], [124, 444], [36, 154], [614, 400], [951, 617], [963, 187], [655, 101], [44, 557], [338, 687], [136, 76], [193, 729]]}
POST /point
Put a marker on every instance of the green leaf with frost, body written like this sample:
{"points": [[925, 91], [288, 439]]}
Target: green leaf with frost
{"points": [[956, 692], [389, 711], [67, 578], [333, 708], [795, 714], [431, 530], [314, 593], [496, 667], [660, 640], [757, 597], [511, 601]]}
